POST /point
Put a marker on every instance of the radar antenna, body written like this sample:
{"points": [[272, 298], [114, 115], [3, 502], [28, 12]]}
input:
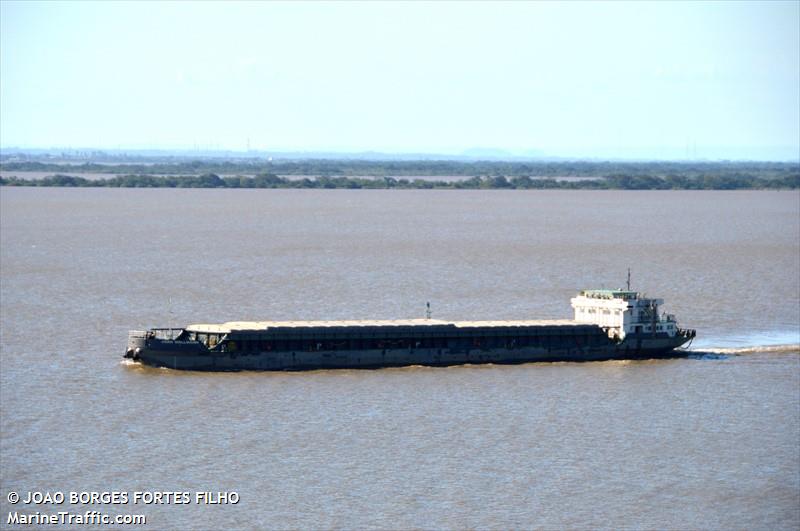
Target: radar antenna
{"points": [[629, 279], [428, 310]]}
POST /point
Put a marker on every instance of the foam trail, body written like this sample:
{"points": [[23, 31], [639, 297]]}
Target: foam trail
{"points": [[775, 349], [756, 341]]}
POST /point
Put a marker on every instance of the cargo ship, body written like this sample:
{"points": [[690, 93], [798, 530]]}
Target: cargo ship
{"points": [[608, 324]]}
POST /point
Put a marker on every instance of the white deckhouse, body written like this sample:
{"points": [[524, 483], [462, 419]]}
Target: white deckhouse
{"points": [[622, 312]]}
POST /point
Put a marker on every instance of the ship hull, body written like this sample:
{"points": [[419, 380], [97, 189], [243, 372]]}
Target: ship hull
{"points": [[183, 359]]}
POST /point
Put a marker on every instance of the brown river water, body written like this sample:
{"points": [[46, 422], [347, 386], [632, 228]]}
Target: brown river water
{"points": [[711, 441]]}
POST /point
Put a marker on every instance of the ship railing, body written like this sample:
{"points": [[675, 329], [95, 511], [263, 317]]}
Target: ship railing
{"points": [[165, 333]]}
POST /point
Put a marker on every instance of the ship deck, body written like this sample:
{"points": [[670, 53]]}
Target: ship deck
{"points": [[228, 327]]}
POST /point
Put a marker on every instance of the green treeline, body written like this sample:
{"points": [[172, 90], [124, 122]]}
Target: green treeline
{"points": [[524, 182]]}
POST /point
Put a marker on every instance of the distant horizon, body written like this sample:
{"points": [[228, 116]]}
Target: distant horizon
{"points": [[469, 154], [568, 80]]}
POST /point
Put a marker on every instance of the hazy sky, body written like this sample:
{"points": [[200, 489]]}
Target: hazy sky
{"points": [[664, 80]]}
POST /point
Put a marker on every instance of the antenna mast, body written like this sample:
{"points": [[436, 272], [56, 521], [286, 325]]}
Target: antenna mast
{"points": [[629, 279], [428, 311]]}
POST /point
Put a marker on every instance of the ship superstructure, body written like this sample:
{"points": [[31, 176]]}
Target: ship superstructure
{"points": [[621, 313]]}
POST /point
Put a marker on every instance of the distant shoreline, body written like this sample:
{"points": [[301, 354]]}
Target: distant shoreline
{"points": [[364, 174], [269, 181]]}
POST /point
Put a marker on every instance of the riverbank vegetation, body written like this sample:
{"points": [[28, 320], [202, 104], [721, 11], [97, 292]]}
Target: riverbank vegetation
{"points": [[405, 175], [613, 182]]}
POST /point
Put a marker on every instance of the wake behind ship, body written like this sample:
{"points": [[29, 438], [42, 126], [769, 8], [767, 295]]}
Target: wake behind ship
{"points": [[608, 324]]}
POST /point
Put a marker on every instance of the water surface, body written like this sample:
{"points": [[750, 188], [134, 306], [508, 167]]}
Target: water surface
{"points": [[710, 441]]}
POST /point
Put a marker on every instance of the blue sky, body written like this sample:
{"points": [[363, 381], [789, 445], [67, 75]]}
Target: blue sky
{"points": [[610, 80]]}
